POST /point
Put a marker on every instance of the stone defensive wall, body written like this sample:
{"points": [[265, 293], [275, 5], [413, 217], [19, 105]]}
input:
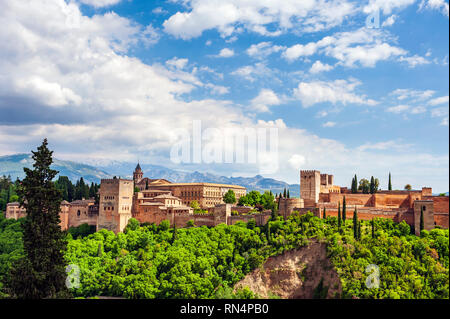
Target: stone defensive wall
{"points": [[287, 205], [440, 203], [369, 213], [381, 200]]}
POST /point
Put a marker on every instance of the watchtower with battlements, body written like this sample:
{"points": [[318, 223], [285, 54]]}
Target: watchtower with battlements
{"points": [[310, 187]]}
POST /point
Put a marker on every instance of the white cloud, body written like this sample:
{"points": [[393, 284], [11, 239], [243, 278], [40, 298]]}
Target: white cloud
{"points": [[439, 100], [339, 91], [414, 95], [177, 63], [100, 3], [318, 67], [363, 46], [297, 161], [264, 100], [441, 112], [440, 5], [159, 10], [415, 60], [329, 124], [128, 108], [254, 15], [389, 21], [252, 72], [398, 109], [388, 145], [386, 6], [225, 53], [262, 50], [418, 110]]}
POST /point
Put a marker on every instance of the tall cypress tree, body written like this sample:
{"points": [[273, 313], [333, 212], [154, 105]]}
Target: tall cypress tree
{"points": [[324, 213], [284, 193], [372, 185], [41, 272], [344, 211], [422, 224], [390, 183], [355, 224], [339, 215], [355, 185], [288, 196]]}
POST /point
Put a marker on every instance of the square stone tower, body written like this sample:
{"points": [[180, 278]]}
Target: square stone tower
{"points": [[310, 187], [428, 215], [116, 200]]}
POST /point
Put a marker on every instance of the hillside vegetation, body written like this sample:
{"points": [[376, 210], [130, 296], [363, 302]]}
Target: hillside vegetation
{"points": [[161, 262]]}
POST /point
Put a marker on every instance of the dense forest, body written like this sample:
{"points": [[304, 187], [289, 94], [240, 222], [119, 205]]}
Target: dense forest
{"points": [[149, 261]]}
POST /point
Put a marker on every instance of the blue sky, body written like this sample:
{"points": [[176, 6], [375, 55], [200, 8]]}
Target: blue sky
{"points": [[114, 80]]}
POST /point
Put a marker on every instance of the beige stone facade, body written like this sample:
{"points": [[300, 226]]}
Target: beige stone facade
{"points": [[116, 202]]}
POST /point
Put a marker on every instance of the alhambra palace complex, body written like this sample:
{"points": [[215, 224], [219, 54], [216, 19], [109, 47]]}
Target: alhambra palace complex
{"points": [[159, 199]]}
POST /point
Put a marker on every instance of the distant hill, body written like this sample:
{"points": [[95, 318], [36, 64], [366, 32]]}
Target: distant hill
{"points": [[13, 165]]}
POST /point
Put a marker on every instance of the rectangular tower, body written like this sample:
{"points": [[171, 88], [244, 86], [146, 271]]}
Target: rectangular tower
{"points": [[310, 187], [427, 207], [116, 200]]}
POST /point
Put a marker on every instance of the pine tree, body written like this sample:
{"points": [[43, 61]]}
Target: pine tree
{"points": [[355, 224], [390, 184], [344, 211], [41, 272], [339, 215]]}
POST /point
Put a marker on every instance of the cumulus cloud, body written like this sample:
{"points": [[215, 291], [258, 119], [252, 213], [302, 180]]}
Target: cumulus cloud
{"points": [[414, 60], [225, 53], [386, 6], [339, 91], [253, 72], [318, 67], [68, 77], [439, 100], [100, 3], [413, 95], [264, 100], [440, 5], [229, 16], [262, 50], [389, 21], [363, 46]]}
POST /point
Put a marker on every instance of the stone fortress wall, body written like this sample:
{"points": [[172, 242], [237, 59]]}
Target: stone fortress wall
{"points": [[395, 205], [159, 200]]}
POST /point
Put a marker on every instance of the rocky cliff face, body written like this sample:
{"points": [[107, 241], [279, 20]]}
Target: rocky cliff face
{"points": [[305, 273]]}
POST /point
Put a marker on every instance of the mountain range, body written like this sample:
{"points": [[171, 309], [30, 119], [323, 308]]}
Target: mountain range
{"points": [[13, 165]]}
